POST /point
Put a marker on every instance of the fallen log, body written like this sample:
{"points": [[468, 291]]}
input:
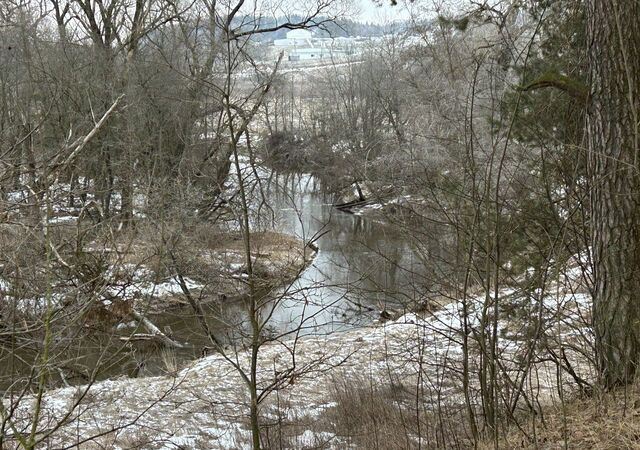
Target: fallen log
{"points": [[349, 206], [154, 331]]}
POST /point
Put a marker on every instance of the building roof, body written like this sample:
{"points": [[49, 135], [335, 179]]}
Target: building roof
{"points": [[299, 34]]}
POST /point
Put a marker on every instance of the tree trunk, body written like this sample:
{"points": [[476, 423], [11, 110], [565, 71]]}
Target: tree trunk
{"points": [[612, 133]]}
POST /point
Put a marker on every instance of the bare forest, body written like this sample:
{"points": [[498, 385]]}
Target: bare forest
{"points": [[268, 224]]}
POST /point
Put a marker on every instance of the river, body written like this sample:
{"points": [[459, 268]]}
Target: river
{"points": [[362, 267]]}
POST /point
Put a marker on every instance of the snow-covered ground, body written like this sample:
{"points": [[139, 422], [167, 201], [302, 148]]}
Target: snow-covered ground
{"points": [[205, 405]]}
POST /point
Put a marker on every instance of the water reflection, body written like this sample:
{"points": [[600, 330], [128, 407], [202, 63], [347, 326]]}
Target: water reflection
{"points": [[362, 267]]}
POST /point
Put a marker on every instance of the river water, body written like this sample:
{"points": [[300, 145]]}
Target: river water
{"points": [[362, 267]]}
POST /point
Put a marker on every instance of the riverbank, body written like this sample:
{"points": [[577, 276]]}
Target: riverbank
{"points": [[213, 269], [305, 381], [144, 285]]}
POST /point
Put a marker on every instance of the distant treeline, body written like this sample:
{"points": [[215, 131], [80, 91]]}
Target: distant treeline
{"points": [[339, 28]]}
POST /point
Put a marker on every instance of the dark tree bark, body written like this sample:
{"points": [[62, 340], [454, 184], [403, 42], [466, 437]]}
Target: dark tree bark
{"points": [[613, 144]]}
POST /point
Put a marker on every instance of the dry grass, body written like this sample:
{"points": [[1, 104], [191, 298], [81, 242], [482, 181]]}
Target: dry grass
{"points": [[367, 415], [601, 421], [379, 417], [213, 258], [372, 414], [277, 258]]}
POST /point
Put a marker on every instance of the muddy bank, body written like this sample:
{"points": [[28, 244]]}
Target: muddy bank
{"points": [[212, 271], [139, 309]]}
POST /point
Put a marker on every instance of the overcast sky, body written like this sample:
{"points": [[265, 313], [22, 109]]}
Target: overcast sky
{"points": [[362, 10], [370, 12]]}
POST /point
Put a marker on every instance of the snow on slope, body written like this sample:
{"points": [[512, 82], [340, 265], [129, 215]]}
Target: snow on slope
{"points": [[206, 404]]}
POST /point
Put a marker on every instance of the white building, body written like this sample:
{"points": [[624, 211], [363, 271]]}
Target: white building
{"points": [[305, 54], [301, 45], [295, 38]]}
